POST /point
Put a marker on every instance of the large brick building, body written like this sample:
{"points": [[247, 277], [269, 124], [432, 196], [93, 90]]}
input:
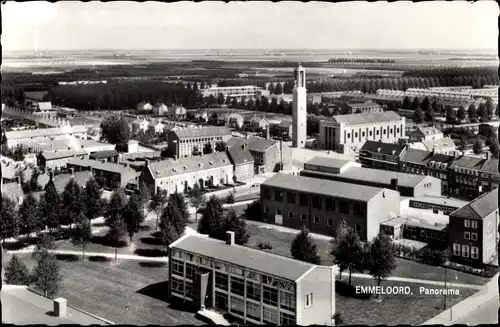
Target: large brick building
{"points": [[387, 156], [255, 286], [320, 205], [182, 142]]}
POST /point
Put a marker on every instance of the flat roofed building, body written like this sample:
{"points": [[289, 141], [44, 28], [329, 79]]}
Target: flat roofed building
{"points": [[473, 231], [41, 134], [249, 91], [406, 184], [365, 107], [320, 205], [255, 286], [329, 165], [348, 133], [183, 141]]}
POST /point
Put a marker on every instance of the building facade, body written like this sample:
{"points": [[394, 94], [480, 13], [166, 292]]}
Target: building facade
{"points": [[320, 205], [247, 91], [254, 286], [109, 175], [160, 109], [421, 134], [470, 176], [299, 109], [348, 133], [381, 155], [243, 162], [182, 142], [57, 160]]}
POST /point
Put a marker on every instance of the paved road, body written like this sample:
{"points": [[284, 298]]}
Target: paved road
{"points": [[485, 314]]}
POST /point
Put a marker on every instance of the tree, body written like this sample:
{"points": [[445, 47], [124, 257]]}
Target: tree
{"points": [[92, 199], [304, 249], [381, 261], [9, 221], [197, 199], [117, 233], [157, 203], [238, 225], [220, 98], [115, 130], [478, 146], [33, 183], [461, 114], [450, 115], [196, 151], [418, 116], [49, 207], [175, 213], [472, 112], [254, 210], [169, 234], [212, 220], [406, 103], [220, 146], [495, 149], [274, 104], [28, 216], [46, 275], [211, 100], [270, 88], [72, 204], [429, 115], [115, 206], [483, 112], [16, 272], [348, 250], [415, 104], [278, 89], [489, 107], [497, 113], [82, 234], [144, 193], [133, 215], [425, 105], [230, 198], [207, 148]]}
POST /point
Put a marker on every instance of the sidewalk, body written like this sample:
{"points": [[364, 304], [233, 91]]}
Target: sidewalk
{"points": [[287, 230], [468, 306]]}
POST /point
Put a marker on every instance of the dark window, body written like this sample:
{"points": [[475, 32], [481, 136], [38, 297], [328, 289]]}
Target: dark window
{"points": [[378, 132], [316, 219], [303, 200], [278, 195], [316, 202], [344, 207], [190, 269], [330, 204], [286, 319], [330, 222], [359, 209], [266, 193], [237, 286], [270, 296], [253, 291], [348, 135], [287, 301], [221, 280], [290, 197], [356, 134], [303, 217], [363, 134], [371, 133], [357, 228]]}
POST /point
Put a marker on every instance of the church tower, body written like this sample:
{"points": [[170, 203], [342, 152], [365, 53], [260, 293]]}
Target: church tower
{"points": [[299, 125]]}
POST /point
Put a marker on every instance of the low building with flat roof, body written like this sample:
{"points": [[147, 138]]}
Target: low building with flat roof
{"points": [[320, 204], [253, 285]]}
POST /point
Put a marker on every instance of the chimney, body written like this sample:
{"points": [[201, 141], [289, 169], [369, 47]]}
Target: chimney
{"points": [[72, 171], [230, 238], [60, 307], [394, 184]]}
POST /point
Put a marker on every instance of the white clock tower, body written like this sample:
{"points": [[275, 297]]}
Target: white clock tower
{"points": [[299, 129]]}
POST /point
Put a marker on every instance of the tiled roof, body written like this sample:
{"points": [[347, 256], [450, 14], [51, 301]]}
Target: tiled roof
{"points": [[480, 207], [490, 166], [367, 118], [285, 124], [106, 166], [235, 141], [323, 187], [240, 155], [444, 143], [424, 157], [328, 162], [202, 132], [171, 167], [45, 132], [259, 145], [425, 131], [468, 163], [385, 148], [265, 262], [104, 154], [53, 155]]}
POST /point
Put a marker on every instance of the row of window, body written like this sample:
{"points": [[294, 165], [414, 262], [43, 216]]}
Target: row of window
{"points": [[384, 132], [204, 139], [470, 224], [470, 236], [463, 251]]}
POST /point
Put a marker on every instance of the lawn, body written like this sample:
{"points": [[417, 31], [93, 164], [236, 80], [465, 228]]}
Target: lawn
{"points": [[128, 292]]}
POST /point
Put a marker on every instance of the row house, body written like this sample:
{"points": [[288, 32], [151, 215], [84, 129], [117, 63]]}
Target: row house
{"points": [[45, 134], [265, 153], [242, 161], [180, 175], [254, 286], [473, 176], [381, 155], [320, 205], [182, 142], [365, 107]]}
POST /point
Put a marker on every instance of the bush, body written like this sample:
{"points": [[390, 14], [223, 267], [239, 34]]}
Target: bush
{"points": [[16, 272], [265, 246]]}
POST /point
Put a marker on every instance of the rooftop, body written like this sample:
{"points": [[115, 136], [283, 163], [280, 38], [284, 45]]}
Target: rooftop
{"points": [[440, 200], [258, 144], [424, 157], [171, 167], [240, 155], [53, 155], [424, 131], [367, 118], [265, 262], [104, 154], [468, 163], [60, 181], [480, 207], [21, 306], [385, 148], [444, 143], [106, 166], [328, 162], [202, 132], [383, 176], [323, 187], [45, 132]]}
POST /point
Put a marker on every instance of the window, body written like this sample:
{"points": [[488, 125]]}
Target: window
{"points": [[378, 133], [467, 235], [359, 209], [356, 134], [303, 200], [316, 219], [253, 311], [221, 280], [303, 217], [465, 251], [253, 291], [237, 286], [309, 300], [237, 306], [189, 289], [474, 252], [344, 207], [330, 204], [266, 209], [467, 223], [456, 249], [316, 202], [286, 319], [291, 214], [278, 195], [270, 296], [278, 212], [348, 135], [473, 224], [190, 269], [290, 197], [473, 236], [371, 133], [266, 193], [177, 285], [330, 222], [287, 301], [357, 228], [363, 134], [270, 316], [178, 267]]}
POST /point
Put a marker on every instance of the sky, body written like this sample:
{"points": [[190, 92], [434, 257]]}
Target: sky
{"points": [[249, 25]]}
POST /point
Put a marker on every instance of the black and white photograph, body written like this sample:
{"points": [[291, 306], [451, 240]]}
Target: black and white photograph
{"points": [[250, 163]]}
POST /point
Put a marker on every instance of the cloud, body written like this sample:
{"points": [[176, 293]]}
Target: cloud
{"points": [[33, 13]]}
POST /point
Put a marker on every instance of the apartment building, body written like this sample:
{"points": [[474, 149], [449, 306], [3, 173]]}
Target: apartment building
{"points": [[255, 286], [182, 142], [265, 153], [248, 91], [344, 171], [320, 205], [471, 176], [242, 161], [348, 133], [180, 175], [381, 155], [109, 175], [473, 231]]}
